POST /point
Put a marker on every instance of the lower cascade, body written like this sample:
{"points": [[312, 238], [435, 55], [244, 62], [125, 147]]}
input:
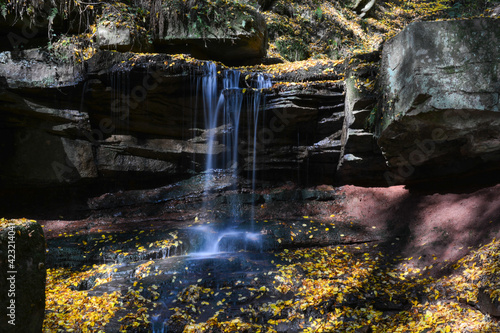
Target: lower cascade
{"points": [[226, 241]]}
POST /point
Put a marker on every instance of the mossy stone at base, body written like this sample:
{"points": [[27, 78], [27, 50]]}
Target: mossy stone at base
{"points": [[22, 276]]}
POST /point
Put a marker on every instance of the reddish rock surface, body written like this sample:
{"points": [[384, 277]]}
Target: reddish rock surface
{"points": [[431, 227], [439, 227]]}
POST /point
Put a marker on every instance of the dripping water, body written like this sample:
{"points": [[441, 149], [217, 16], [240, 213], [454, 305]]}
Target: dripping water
{"points": [[256, 106], [120, 101]]}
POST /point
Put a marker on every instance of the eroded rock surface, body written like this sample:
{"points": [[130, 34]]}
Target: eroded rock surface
{"points": [[79, 127]]}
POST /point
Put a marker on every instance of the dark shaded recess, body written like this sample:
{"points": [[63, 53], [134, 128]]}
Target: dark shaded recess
{"points": [[212, 51], [481, 177], [70, 201]]}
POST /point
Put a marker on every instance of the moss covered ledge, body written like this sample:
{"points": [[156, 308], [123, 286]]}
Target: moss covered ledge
{"points": [[22, 276]]}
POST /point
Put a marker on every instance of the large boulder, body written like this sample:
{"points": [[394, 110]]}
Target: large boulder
{"points": [[439, 111], [22, 276], [221, 30], [37, 68], [119, 28]]}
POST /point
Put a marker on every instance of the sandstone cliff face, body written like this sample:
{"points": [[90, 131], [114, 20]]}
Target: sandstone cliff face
{"points": [[142, 115], [361, 161], [127, 120]]}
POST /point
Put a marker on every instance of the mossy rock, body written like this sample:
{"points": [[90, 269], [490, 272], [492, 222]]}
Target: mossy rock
{"points": [[22, 276], [121, 27], [221, 30]]}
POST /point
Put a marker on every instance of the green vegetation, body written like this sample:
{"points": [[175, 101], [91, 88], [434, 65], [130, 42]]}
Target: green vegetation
{"points": [[333, 29], [298, 29], [201, 18]]}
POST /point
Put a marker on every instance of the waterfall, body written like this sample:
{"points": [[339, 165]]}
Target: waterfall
{"points": [[210, 110], [223, 102], [222, 108], [233, 98]]}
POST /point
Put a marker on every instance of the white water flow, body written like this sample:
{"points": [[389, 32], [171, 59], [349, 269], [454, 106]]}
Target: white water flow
{"points": [[256, 103], [222, 112]]}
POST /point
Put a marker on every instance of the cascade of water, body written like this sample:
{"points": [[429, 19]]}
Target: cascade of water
{"points": [[225, 104], [195, 82], [227, 240], [222, 112]]}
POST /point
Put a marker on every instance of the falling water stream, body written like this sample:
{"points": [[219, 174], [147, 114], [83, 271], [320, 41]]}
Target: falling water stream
{"points": [[222, 107], [225, 248]]}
